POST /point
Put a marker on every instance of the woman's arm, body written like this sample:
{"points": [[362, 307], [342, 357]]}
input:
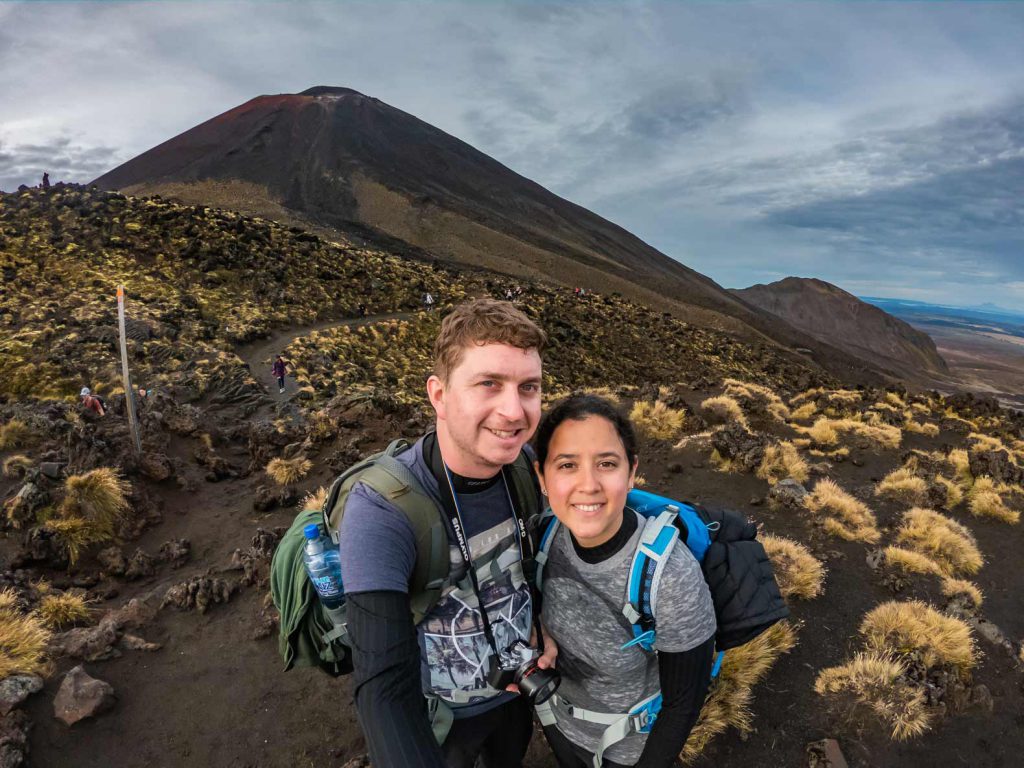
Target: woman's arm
{"points": [[685, 678]]}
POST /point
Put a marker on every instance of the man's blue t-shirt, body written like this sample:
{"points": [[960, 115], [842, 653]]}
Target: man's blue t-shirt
{"points": [[378, 553]]}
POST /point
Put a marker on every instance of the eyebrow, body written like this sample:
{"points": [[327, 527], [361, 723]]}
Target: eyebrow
{"points": [[505, 377], [613, 454]]}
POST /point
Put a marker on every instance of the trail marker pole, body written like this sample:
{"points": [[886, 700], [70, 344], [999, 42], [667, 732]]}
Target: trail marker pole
{"points": [[129, 391]]}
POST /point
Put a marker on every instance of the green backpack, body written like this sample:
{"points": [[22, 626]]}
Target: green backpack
{"points": [[309, 634]]}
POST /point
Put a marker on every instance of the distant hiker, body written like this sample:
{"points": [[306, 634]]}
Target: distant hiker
{"points": [[428, 301], [508, 294], [93, 402], [279, 368], [362, 310], [485, 391], [142, 397], [46, 180]]}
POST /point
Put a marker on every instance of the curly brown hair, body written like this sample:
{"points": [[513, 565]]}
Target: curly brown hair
{"points": [[483, 321]]}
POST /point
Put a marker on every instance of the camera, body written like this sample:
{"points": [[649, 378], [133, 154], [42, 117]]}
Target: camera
{"points": [[518, 664]]}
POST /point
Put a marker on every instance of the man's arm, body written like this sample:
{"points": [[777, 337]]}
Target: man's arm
{"points": [[378, 554], [389, 700]]}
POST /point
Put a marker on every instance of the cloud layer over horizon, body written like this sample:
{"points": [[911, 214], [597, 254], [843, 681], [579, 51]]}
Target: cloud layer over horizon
{"points": [[876, 146]]}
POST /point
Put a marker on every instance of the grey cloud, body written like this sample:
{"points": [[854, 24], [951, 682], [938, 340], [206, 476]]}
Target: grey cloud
{"points": [[63, 158]]}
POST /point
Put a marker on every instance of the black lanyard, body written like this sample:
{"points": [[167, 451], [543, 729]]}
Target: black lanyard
{"points": [[450, 504]]}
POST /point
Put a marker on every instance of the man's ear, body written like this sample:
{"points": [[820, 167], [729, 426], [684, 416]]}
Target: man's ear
{"points": [[436, 393], [540, 478]]}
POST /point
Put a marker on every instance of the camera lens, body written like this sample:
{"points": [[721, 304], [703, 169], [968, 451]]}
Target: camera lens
{"points": [[537, 684]]}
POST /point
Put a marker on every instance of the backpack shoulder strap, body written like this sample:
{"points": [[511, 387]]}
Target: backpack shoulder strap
{"points": [[394, 482], [549, 527], [659, 537]]}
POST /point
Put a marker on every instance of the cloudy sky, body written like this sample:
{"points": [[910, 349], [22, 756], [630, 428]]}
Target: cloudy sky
{"points": [[876, 146]]}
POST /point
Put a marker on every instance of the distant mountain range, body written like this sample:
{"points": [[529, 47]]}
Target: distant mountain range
{"points": [[919, 310]]}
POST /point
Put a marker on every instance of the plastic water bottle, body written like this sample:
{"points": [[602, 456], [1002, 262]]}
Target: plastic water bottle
{"points": [[323, 564]]}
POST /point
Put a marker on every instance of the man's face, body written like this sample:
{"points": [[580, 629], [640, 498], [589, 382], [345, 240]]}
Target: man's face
{"points": [[488, 408]]}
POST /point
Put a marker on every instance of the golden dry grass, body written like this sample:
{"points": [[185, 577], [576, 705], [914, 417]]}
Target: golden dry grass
{"points": [[961, 464], [23, 638], [878, 681], [15, 434], [315, 499], [780, 461], [916, 627], [719, 462], [845, 516], [903, 485], [826, 431], [921, 427], [839, 453], [909, 561], [728, 702], [59, 610], [759, 394], [805, 411], [954, 493], [982, 442], [657, 420], [951, 545], [952, 587], [807, 394], [822, 432], [724, 409], [288, 471], [99, 497], [984, 500], [894, 399], [76, 534], [15, 466], [799, 573]]}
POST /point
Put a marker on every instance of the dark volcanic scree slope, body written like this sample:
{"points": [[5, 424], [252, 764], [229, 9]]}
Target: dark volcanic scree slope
{"points": [[337, 158]]}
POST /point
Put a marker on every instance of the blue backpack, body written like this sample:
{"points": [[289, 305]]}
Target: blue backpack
{"points": [[667, 521]]}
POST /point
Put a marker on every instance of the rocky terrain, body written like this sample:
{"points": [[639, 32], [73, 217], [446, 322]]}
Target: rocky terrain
{"points": [[836, 317], [338, 160], [136, 625]]}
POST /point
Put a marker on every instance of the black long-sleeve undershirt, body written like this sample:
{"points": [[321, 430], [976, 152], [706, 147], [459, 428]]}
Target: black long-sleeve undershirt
{"points": [[685, 678], [388, 694]]}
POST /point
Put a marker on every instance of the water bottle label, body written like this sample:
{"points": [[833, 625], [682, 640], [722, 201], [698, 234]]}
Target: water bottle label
{"points": [[325, 586]]}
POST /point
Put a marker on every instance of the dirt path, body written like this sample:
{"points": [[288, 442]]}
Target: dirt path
{"points": [[258, 355]]}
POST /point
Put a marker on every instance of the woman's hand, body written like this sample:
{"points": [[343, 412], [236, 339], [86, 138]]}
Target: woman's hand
{"points": [[547, 659]]}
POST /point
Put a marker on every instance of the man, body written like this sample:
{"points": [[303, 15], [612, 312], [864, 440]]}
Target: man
{"points": [[485, 391], [92, 402], [279, 369]]}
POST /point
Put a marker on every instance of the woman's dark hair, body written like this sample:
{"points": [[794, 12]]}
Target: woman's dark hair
{"points": [[579, 408]]}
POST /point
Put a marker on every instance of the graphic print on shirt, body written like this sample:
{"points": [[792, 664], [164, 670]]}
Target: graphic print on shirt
{"points": [[456, 648]]}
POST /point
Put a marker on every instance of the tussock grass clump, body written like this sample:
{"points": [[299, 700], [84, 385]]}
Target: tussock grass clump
{"points": [[954, 587], [805, 411], [288, 471], [76, 534], [983, 442], [799, 573], [780, 461], [720, 462], [894, 398], [826, 431], [99, 497], [914, 626], [984, 500], [657, 420], [59, 610], [15, 466], [15, 434], [909, 561], [903, 485], [23, 638], [921, 428], [961, 464], [608, 393], [756, 393], [728, 702], [954, 494], [845, 517], [951, 545], [315, 499], [822, 432], [839, 453], [724, 409], [878, 681]]}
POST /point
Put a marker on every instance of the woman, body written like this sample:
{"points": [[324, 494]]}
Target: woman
{"points": [[587, 462]]}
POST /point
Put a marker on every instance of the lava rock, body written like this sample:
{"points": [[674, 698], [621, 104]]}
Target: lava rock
{"points": [[140, 566], [176, 552], [16, 688], [788, 493], [81, 696]]}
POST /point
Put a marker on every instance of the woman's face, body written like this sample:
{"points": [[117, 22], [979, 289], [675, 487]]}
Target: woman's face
{"points": [[586, 477]]}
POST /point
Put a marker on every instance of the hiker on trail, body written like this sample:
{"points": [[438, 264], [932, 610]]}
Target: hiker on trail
{"points": [[46, 180], [279, 368], [485, 391], [587, 462], [428, 301], [92, 402], [509, 296]]}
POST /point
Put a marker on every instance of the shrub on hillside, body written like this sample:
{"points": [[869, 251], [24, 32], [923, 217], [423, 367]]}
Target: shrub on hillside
{"points": [[799, 573], [780, 461], [288, 471], [657, 420], [844, 516], [99, 497], [23, 638]]}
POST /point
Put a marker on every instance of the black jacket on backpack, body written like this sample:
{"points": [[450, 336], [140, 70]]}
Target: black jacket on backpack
{"points": [[743, 588]]}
